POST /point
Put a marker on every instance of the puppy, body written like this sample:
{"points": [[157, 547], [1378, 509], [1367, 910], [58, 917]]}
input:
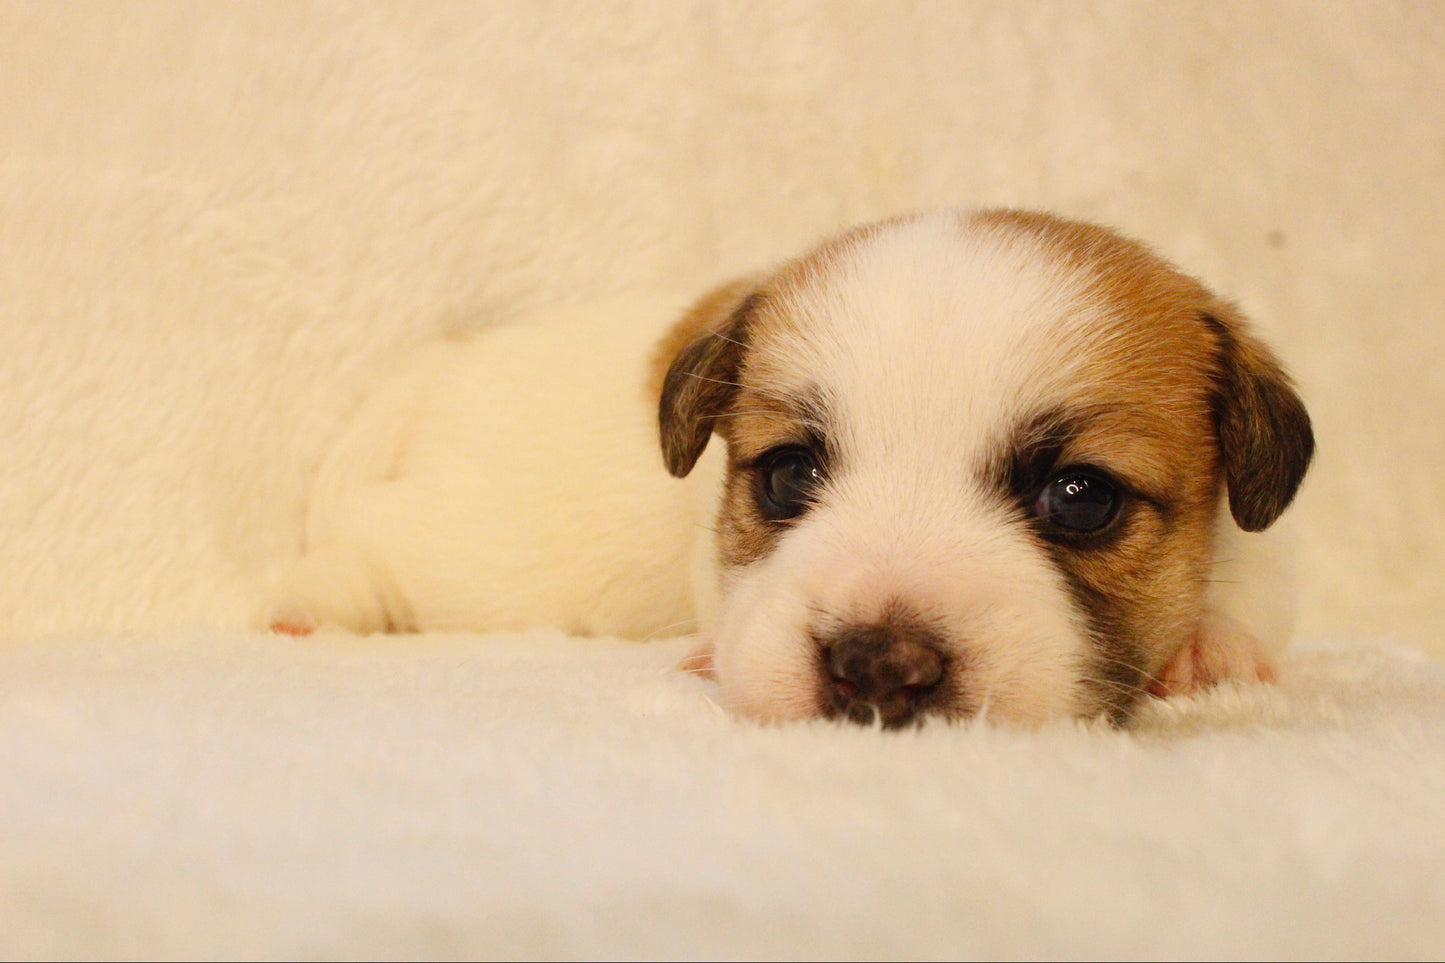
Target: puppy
{"points": [[962, 463]]}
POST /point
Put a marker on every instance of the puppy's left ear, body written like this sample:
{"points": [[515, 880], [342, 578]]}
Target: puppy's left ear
{"points": [[1265, 438], [703, 354]]}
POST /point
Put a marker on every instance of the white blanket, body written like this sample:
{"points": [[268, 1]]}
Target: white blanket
{"points": [[534, 796]]}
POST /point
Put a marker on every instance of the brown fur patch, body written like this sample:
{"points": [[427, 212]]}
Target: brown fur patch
{"points": [[707, 314], [698, 361], [811, 270], [1262, 427], [1139, 581], [1179, 399]]}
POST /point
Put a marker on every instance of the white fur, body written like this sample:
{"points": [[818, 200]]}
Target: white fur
{"points": [[507, 479], [513, 478]]}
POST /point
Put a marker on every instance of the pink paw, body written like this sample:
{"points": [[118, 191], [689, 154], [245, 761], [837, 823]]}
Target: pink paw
{"points": [[699, 661], [291, 620], [1222, 651]]}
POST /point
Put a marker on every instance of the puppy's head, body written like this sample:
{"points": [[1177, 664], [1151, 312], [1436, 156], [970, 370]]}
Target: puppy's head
{"points": [[974, 465]]}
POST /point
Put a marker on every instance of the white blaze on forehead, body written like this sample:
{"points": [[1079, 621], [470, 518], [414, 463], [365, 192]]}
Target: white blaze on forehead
{"points": [[933, 336]]}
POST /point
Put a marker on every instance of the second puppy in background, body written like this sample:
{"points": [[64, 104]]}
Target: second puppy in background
{"points": [[962, 463]]}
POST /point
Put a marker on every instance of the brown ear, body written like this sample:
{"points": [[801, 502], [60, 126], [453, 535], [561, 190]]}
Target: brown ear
{"points": [[1265, 438], [703, 352]]}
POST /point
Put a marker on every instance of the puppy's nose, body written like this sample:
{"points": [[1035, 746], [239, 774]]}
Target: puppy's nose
{"points": [[882, 673]]}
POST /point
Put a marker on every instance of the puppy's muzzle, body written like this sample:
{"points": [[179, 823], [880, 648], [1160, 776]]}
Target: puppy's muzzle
{"points": [[881, 673]]}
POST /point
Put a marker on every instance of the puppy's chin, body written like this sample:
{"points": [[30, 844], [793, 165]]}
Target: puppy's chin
{"points": [[805, 629]]}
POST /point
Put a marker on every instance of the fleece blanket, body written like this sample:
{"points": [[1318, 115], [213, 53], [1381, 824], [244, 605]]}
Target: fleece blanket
{"points": [[536, 796], [220, 221]]}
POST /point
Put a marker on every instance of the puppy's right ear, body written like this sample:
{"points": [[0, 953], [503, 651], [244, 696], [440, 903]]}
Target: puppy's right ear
{"points": [[703, 352]]}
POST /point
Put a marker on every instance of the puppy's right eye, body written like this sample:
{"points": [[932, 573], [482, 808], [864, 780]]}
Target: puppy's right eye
{"points": [[787, 480]]}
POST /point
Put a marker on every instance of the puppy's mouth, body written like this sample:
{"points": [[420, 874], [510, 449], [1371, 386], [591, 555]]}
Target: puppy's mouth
{"points": [[884, 674]]}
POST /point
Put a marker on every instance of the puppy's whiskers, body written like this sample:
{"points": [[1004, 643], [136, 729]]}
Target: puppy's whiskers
{"points": [[734, 414], [722, 337], [775, 395], [701, 672], [1133, 669], [662, 632], [985, 702]]}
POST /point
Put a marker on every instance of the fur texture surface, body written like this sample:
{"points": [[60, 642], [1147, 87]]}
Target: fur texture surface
{"points": [[534, 796]]}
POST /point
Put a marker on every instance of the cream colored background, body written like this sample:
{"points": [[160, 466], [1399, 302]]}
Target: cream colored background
{"points": [[218, 219]]}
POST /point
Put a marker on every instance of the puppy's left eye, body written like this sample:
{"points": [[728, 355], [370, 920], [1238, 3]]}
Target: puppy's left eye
{"points": [[787, 479], [1078, 501]]}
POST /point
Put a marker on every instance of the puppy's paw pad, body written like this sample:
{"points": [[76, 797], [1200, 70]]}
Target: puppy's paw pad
{"points": [[699, 662]]}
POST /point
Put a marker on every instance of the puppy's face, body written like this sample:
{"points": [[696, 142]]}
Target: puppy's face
{"points": [[974, 467]]}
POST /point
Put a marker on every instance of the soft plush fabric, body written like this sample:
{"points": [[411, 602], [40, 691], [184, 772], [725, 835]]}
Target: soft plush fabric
{"points": [[235, 796], [220, 221]]}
